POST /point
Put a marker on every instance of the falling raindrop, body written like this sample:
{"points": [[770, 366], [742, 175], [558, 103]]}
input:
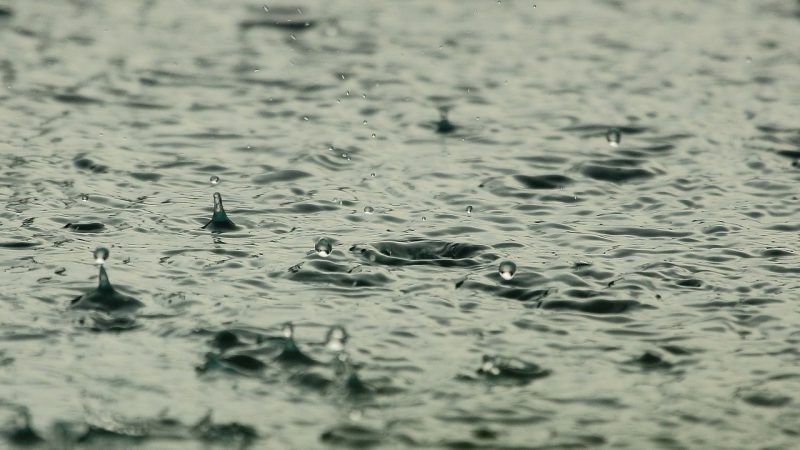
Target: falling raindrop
{"points": [[507, 270], [613, 136], [100, 255], [288, 330], [323, 247], [336, 339]]}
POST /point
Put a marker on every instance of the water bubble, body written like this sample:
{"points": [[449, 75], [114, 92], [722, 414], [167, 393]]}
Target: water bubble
{"points": [[369, 210], [84, 197], [613, 136], [373, 175], [469, 209], [507, 270], [288, 330], [365, 123], [336, 339], [214, 180], [100, 255], [323, 247], [374, 135]]}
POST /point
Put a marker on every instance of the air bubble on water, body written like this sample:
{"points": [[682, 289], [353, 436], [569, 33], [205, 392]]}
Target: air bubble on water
{"points": [[323, 247], [374, 135], [288, 330], [373, 175], [424, 218], [214, 180], [613, 136], [100, 255], [369, 210], [84, 197], [507, 270], [469, 209], [336, 339], [365, 122]]}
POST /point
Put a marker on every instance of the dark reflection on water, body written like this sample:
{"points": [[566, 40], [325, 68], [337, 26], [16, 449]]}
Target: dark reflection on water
{"points": [[380, 163]]}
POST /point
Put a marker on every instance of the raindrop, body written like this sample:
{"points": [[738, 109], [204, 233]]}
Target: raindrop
{"points": [[214, 180], [288, 330], [100, 255], [323, 247], [336, 339], [507, 270], [266, 9], [369, 210], [305, 118], [84, 197], [613, 136], [469, 209]]}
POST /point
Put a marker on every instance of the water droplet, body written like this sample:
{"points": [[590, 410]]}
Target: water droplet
{"points": [[469, 209], [365, 122], [336, 339], [374, 136], [266, 9], [100, 255], [347, 93], [373, 175], [424, 218], [288, 330], [323, 247], [294, 38], [84, 197], [214, 180], [368, 210], [364, 95], [305, 118], [613, 136], [507, 270]]}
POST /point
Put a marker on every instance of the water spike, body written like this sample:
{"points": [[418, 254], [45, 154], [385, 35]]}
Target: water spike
{"points": [[444, 126], [219, 220], [103, 282], [218, 203]]}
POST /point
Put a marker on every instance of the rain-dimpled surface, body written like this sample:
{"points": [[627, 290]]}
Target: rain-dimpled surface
{"points": [[655, 300]]}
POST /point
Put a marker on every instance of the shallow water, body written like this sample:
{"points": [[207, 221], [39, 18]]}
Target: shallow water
{"points": [[654, 300]]}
